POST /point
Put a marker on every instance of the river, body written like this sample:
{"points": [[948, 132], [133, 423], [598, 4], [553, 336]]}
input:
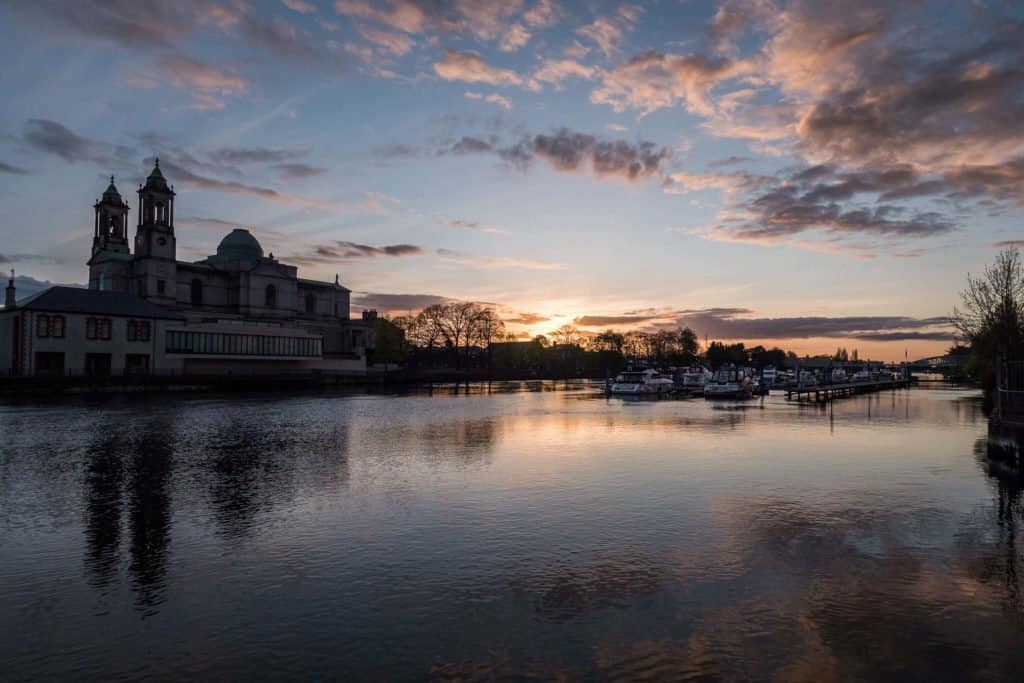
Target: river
{"points": [[519, 530]]}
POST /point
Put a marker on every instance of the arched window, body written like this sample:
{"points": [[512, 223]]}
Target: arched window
{"points": [[197, 292], [102, 284], [271, 298], [310, 303]]}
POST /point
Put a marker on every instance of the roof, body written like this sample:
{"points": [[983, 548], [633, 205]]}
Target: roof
{"points": [[238, 245], [77, 300], [156, 181], [321, 284], [111, 192]]}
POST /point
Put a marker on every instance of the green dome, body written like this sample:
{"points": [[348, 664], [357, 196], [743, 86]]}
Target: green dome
{"points": [[239, 245]]}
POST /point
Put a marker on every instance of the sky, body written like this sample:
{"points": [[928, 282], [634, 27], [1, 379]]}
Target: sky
{"points": [[802, 174]]}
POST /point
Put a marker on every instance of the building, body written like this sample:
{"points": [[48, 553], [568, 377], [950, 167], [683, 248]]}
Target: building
{"points": [[236, 311]]}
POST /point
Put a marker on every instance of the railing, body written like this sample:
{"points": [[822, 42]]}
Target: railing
{"points": [[1010, 388]]}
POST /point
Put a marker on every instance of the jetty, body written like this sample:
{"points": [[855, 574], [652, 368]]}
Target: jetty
{"points": [[827, 392]]}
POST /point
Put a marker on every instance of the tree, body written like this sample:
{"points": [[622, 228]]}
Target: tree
{"points": [[609, 340], [689, 346], [389, 345], [991, 317], [566, 334]]}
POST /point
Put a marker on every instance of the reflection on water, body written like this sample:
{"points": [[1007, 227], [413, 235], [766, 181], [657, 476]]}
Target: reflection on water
{"points": [[507, 530]]}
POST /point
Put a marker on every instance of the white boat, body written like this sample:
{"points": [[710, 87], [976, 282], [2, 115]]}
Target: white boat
{"points": [[642, 382], [807, 379], [838, 376], [730, 382], [862, 376], [769, 376], [693, 379]]}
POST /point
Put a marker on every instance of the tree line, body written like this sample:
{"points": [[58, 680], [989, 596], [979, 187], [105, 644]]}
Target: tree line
{"points": [[464, 335]]}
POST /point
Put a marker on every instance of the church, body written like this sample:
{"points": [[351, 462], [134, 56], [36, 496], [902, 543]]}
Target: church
{"points": [[239, 310]]}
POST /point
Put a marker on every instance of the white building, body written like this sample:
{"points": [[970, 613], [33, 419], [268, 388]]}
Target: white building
{"points": [[236, 311]]}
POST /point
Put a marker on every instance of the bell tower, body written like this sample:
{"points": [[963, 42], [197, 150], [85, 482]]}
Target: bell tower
{"points": [[155, 250], [110, 231], [154, 235]]}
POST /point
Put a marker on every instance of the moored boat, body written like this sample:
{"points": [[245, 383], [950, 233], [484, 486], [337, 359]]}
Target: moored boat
{"points": [[642, 382], [730, 382], [691, 380]]}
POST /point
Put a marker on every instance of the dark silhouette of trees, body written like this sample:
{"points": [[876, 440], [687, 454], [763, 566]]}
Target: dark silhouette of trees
{"points": [[991, 317]]}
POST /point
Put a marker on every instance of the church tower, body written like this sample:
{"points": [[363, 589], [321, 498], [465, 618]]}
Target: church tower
{"points": [[110, 232], [155, 253], [110, 260]]}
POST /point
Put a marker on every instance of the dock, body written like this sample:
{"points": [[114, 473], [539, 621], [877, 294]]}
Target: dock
{"points": [[827, 392]]}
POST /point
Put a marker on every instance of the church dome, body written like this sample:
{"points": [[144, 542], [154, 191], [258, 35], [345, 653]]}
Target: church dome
{"points": [[239, 245]]}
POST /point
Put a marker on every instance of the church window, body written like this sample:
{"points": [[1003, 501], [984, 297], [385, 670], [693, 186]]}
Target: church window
{"points": [[271, 296], [43, 326], [197, 292], [310, 303]]}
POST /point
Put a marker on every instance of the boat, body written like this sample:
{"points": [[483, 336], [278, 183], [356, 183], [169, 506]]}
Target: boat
{"points": [[769, 376], [839, 376], [730, 382], [807, 378], [691, 380], [642, 382], [862, 376]]}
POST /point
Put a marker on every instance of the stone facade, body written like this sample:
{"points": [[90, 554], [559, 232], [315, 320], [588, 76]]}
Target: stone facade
{"points": [[238, 310]]}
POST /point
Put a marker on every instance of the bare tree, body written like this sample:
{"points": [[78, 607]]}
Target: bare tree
{"points": [[566, 334]]}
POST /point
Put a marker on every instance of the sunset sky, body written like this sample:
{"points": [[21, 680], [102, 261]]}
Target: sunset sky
{"points": [[802, 174]]}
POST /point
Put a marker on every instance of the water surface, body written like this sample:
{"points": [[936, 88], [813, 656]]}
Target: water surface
{"points": [[535, 530]]}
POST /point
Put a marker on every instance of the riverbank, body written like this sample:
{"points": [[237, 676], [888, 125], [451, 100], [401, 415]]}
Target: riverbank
{"points": [[261, 382]]}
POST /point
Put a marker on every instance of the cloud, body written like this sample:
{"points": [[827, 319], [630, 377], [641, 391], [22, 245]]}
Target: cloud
{"points": [[396, 151], [396, 303], [26, 285], [254, 155], [470, 67], [470, 225], [21, 258], [294, 171], [654, 80], [300, 6], [179, 174], [53, 138], [488, 262], [493, 98], [527, 319], [569, 152], [149, 27], [393, 42], [556, 71], [207, 84], [610, 320], [468, 145], [515, 37], [483, 19], [341, 252], [605, 32], [544, 14], [736, 323], [12, 169]]}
